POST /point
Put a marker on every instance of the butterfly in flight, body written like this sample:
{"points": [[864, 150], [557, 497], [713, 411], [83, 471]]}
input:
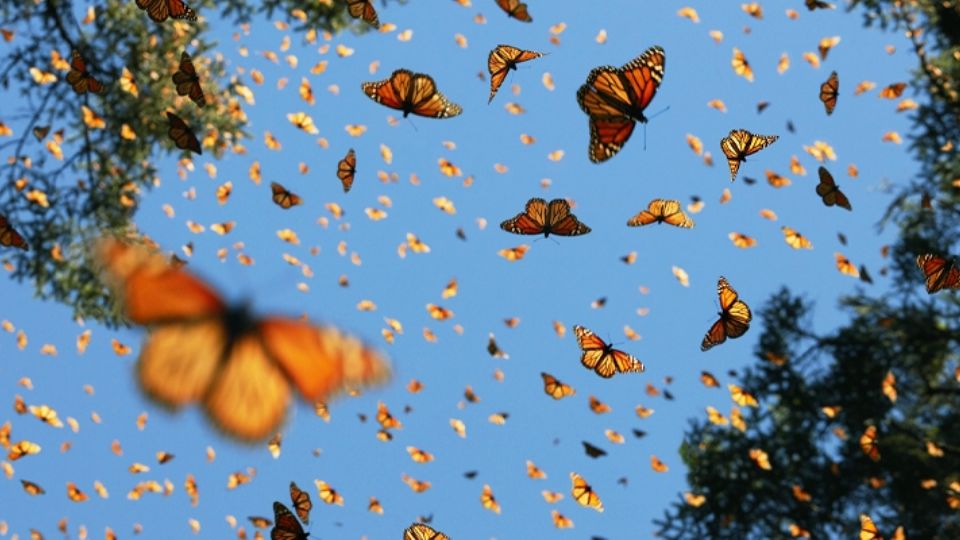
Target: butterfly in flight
{"points": [[502, 60], [869, 531], [419, 531], [818, 4], [363, 9], [285, 524], [939, 272], [238, 366], [602, 357], [734, 318], [554, 388], [347, 169], [159, 10], [739, 144], [541, 218], [829, 192], [187, 80], [9, 237], [515, 9], [662, 211], [181, 134], [301, 502], [829, 91], [283, 198], [615, 98], [411, 93], [583, 493], [80, 79]]}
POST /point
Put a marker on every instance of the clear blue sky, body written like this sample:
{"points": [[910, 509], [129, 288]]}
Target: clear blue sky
{"points": [[556, 281]]}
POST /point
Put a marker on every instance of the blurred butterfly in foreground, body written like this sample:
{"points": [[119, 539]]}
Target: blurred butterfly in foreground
{"points": [[187, 80], [739, 144], [286, 526], [603, 358], [9, 237], [411, 93], [502, 60], [541, 218], [419, 531], [939, 272], [80, 79], [347, 169], [515, 9], [182, 135], [734, 318], [829, 192], [829, 91], [661, 211], [615, 98], [159, 10], [363, 9], [238, 366]]}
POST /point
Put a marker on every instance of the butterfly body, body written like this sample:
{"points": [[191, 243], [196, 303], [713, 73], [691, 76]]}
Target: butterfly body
{"points": [[541, 218], [411, 92]]}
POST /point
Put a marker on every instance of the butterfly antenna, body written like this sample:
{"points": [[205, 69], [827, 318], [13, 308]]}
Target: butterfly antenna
{"points": [[412, 124], [658, 113]]}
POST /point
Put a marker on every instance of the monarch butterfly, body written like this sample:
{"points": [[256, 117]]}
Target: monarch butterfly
{"points": [[734, 318], [829, 91], [10, 237], [795, 240], [869, 531], [328, 494], [540, 218], [739, 144], [829, 192], [363, 9], [603, 358], [419, 531], [583, 493], [301, 502], [615, 98], [740, 65], [80, 79], [515, 9], [939, 272], [488, 501], [283, 198], [893, 91], [347, 169], [238, 366], [182, 135], [554, 388], [501, 60], [286, 526], [411, 93], [818, 4], [32, 488], [187, 80], [661, 211], [159, 10], [870, 444], [593, 451]]}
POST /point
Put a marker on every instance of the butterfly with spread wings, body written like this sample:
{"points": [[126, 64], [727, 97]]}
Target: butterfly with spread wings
{"points": [[939, 272], [869, 530], [615, 98], [515, 9], [419, 531], [285, 524], [301, 502], [829, 192], [363, 9], [739, 144], [347, 170], [501, 60], [181, 134], [829, 91], [602, 357], [284, 198], [238, 366], [80, 79], [411, 93], [541, 218], [160, 10], [9, 236], [734, 318], [662, 211], [554, 388], [583, 493], [187, 80]]}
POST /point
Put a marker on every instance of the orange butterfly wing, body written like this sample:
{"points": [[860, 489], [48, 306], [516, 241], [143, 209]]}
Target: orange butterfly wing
{"points": [[301, 502], [515, 9], [734, 318], [561, 222], [531, 221], [363, 9], [160, 10], [411, 93], [10, 237]]}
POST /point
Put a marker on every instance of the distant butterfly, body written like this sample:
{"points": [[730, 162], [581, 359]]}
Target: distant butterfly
{"points": [[159, 10], [939, 272], [411, 93], [347, 169], [238, 366], [80, 79], [187, 80], [363, 9], [870, 444], [615, 98], [541, 218], [603, 358], [829, 91], [9, 237], [515, 9], [739, 144], [181, 134], [869, 531], [818, 4], [554, 388], [584, 494], [286, 526], [795, 240], [301, 502], [829, 192], [283, 198], [502, 60], [419, 531], [740, 65], [662, 211], [734, 318]]}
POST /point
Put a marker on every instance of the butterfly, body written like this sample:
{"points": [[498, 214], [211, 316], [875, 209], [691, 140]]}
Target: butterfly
{"points": [[740, 65], [411, 93], [818, 4], [554, 388], [182, 135], [829, 91], [80, 79], [419, 531], [515, 9], [739, 144], [829, 192], [363, 9], [541, 218], [187, 80], [286, 526], [734, 318], [661, 211], [347, 169], [159, 10], [10, 237], [240, 367], [583, 493], [795, 240], [869, 531], [870, 444], [615, 98], [939, 272], [501, 60], [301, 502], [283, 198], [603, 358], [593, 451]]}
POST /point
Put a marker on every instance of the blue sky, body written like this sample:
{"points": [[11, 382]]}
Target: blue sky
{"points": [[555, 281]]}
